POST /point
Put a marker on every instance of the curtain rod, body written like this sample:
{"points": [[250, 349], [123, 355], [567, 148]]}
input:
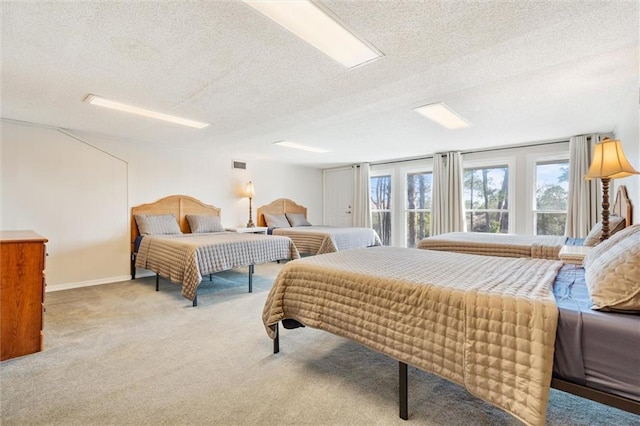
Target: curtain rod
{"points": [[427, 157], [517, 146]]}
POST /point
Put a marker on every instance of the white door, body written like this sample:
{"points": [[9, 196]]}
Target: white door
{"points": [[338, 197]]}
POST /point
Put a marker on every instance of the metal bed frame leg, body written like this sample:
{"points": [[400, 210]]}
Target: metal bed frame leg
{"points": [[195, 299], [133, 266], [157, 282], [250, 278], [404, 391], [276, 341]]}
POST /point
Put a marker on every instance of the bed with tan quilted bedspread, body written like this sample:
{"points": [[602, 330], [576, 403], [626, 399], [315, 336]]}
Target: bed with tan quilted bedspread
{"points": [[184, 258], [329, 239], [486, 323], [503, 245]]}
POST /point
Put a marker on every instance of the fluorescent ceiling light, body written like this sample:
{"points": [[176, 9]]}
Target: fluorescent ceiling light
{"points": [[298, 146], [97, 100], [442, 115], [315, 26]]}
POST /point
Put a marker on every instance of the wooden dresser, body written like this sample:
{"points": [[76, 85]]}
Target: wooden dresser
{"points": [[22, 283]]}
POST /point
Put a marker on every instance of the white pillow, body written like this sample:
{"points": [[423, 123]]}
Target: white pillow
{"points": [[612, 272], [616, 223], [157, 224], [200, 223], [276, 220], [297, 219]]}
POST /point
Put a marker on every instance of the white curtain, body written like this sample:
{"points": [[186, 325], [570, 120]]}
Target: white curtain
{"points": [[361, 204], [447, 210], [583, 198]]}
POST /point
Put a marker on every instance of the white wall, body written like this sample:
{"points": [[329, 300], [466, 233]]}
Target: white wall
{"points": [[629, 135], [77, 190]]}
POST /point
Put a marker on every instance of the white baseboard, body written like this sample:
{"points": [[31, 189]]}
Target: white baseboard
{"points": [[100, 281]]}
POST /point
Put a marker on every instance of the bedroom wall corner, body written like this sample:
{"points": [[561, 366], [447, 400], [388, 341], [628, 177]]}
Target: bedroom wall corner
{"points": [[77, 189], [71, 193]]}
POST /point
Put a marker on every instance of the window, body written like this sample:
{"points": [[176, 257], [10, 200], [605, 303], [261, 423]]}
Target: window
{"points": [[381, 207], [486, 195], [552, 187], [418, 209]]}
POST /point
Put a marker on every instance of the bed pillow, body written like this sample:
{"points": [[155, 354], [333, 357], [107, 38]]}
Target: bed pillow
{"points": [[200, 223], [612, 272], [297, 219], [157, 224], [276, 220], [604, 246], [616, 223]]}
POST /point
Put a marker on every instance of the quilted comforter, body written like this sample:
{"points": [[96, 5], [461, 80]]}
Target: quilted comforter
{"points": [[185, 258], [488, 244], [486, 323], [329, 239]]}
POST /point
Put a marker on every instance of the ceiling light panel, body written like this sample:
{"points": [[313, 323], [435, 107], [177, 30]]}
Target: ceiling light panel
{"points": [[302, 147], [97, 100], [315, 26], [443, 115]]}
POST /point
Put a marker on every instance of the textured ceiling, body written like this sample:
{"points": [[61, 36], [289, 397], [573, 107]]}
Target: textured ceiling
{"points": [[518, 71]]}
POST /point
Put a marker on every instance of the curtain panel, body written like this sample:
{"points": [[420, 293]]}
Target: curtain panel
{"points": [[583, 197], [361, 204], [447, 212]]}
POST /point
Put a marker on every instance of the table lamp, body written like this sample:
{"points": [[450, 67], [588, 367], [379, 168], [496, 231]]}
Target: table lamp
{"points": [[250, 192], [609, 162]]}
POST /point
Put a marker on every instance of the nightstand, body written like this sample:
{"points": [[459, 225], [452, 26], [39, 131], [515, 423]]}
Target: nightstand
{"points": [[573, 254], [254, 230]]}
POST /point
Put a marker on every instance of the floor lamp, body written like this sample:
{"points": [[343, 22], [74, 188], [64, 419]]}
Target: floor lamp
{"points": [[250, 192], [609, 162]]}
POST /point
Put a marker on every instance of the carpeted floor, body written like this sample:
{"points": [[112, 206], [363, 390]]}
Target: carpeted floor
{"points": [[122, 354]]}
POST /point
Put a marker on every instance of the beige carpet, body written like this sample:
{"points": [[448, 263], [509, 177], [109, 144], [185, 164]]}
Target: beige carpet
{"points": [[122, 354]]}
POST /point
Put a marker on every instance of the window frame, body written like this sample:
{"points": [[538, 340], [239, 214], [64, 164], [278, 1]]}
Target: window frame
{"points": [[532, 172], [406, 171], [391, 174], [509, 162]]}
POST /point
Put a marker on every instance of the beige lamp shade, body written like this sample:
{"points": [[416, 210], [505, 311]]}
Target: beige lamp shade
{"points": [[249, 191], [609, 161]]}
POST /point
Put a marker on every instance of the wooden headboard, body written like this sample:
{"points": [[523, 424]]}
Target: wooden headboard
{"points": [[622, 205], [280, 206], [178, 205]]}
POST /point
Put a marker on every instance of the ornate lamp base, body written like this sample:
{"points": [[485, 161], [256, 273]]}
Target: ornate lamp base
{"points": [[250, 224]]}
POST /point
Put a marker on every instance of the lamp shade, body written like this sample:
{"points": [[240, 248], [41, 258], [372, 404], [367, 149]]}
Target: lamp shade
{"points": [[249, 192], [609, 161]]}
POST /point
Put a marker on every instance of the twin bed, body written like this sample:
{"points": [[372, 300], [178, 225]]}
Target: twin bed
{"points": [[183, 255], [512, 245], [290, 220]]}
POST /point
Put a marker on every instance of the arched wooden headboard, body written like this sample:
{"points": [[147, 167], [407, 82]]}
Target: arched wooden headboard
{"points": [[622, 205], [178, 205], [279, 206]]}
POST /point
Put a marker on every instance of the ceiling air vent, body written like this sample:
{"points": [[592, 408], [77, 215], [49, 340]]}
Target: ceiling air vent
{"points": [[239, 165]]}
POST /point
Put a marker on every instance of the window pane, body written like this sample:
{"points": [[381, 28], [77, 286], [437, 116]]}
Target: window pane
{"points": [[419, 191], [552, 186], [381, 222], [550, 223], [486, 188], [381, 207], [417, 227], [418, 197], [488, 221], [381, 193]]}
